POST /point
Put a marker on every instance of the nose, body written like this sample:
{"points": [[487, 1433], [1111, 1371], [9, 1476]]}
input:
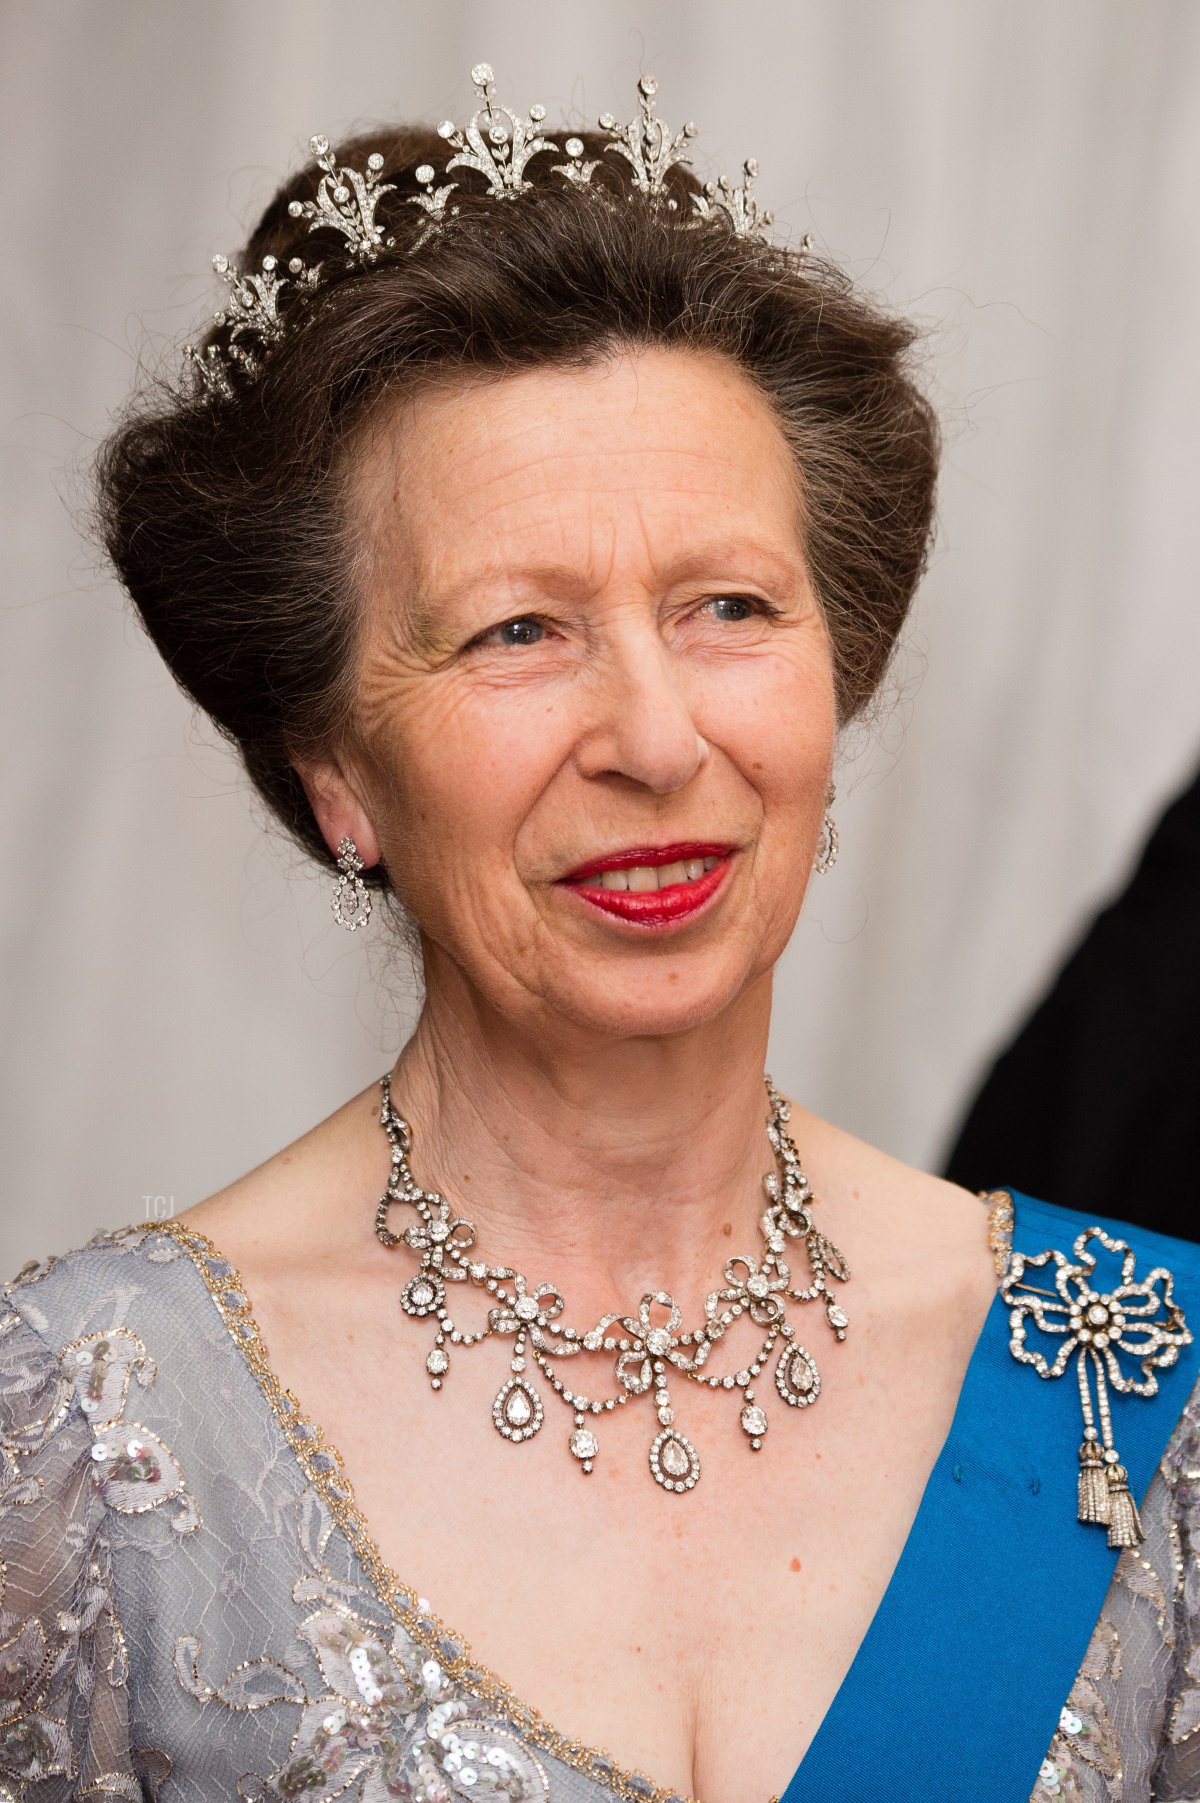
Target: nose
{"points": [[640, 724]]}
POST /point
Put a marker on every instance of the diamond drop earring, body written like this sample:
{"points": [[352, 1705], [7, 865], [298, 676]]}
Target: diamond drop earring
{"points": [[827, 844], [351, 899]]}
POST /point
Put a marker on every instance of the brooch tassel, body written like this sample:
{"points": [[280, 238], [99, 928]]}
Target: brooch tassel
{"points": [[1093, 1484], [1138, 1319], [1124, 1522]]}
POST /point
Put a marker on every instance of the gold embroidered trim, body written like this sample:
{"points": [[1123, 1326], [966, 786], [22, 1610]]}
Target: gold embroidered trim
{"points": [[1000, 1227], [322, 1463]]}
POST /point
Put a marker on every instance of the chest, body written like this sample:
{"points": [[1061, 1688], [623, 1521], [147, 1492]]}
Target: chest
{"points": [[697, 1638]]}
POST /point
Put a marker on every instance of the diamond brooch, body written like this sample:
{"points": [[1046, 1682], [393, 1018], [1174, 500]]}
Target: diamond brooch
{"points": [[1137, 1318]]}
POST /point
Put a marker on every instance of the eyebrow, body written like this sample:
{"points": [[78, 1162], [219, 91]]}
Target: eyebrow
{"points": [[564, 579]]}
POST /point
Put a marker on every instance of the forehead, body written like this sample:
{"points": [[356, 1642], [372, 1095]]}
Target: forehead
{"points": [[647, 458]]}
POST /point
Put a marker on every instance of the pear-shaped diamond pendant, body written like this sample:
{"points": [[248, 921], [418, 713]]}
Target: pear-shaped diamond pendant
{"points": [[796, 1376], [517, 1410], [674, 1461]]}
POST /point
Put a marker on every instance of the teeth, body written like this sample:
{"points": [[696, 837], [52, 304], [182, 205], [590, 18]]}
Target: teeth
{"points": [[644, 878]]}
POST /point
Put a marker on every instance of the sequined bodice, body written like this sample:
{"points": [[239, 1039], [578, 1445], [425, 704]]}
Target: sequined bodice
{"points": [[194, 1607]]}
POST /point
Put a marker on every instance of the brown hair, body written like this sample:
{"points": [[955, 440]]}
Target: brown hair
{"points": [[226, 520]]}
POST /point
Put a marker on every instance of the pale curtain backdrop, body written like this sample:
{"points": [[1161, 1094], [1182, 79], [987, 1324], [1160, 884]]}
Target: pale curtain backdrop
{"points": [[1020, 173]]}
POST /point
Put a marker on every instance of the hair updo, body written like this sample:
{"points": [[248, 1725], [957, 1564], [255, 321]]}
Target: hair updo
{"points": [[226, 519]]}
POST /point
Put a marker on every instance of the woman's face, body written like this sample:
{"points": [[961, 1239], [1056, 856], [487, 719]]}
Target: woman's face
{"points": [[592, 643]]}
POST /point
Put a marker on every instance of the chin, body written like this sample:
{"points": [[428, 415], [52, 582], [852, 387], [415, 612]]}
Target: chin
{"points": [[676, 996]]}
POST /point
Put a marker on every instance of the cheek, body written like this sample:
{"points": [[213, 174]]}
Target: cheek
{"points": [[463, 775], [777, 721]]}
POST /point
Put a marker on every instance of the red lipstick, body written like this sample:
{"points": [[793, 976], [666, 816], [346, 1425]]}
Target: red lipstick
{"points": [[659, 908]]}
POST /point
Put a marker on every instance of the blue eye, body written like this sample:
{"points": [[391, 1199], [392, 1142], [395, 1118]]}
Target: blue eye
{"points": [[523, 631], [734, 607]]}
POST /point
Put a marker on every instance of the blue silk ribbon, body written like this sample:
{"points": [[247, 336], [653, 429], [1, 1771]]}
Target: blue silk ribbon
{"points": [[957, 1687]]}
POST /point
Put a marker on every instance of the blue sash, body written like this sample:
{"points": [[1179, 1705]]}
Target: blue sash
{"points": [[958, 1684]]}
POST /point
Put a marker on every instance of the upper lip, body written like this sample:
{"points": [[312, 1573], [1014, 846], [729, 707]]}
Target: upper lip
{"points": [[649, 854]]}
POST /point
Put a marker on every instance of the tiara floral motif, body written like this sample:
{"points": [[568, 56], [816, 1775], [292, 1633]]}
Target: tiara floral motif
{"points": [[498, 144]]}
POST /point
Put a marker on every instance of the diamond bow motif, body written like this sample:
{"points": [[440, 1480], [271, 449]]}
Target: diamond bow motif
{"points": [[526, 1309], [438, 1234], [1137, 1318], [658, 1339], [756, 1286]]}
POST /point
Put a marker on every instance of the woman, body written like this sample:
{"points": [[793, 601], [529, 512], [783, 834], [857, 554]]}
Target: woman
{"points": [[532, 525]]}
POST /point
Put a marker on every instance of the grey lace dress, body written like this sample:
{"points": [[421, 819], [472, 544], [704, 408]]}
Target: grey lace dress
{"points": [[192, 1608]]}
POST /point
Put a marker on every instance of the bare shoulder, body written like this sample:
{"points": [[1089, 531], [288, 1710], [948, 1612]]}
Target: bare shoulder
{"points": [[909, 1219], [286, 1210]]}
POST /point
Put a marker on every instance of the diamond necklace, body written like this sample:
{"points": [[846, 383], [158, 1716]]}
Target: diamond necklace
{"points": [[649, 1346]]}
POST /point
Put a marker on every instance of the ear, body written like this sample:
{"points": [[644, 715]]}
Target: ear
{"points": [[334, 799]]}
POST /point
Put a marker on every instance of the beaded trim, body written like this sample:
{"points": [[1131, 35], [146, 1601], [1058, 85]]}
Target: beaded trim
{"points": [[1000, 1228], [323, 1465]]}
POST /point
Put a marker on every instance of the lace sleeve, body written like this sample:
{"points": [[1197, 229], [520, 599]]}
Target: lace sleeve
{"points": [[1177, 1776], [63, 1661]]}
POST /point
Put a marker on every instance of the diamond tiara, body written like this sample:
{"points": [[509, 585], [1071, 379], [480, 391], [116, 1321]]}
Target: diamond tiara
{"points": [[498, 144]]}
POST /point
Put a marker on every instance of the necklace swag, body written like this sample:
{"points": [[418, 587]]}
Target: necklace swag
{"points": [[649, 1346]]}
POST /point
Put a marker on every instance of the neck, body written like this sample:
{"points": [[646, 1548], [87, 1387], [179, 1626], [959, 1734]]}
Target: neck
{"points": [[607, 1167]]}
